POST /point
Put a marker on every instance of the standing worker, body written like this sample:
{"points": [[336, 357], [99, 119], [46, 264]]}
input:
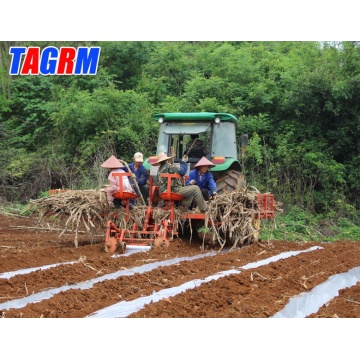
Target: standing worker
{"points": [[115, 166], [141, 174], [190, 193], [203, 178]]}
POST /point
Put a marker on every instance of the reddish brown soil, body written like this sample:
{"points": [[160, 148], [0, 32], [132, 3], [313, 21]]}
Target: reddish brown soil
{"points": [[254, 293]]}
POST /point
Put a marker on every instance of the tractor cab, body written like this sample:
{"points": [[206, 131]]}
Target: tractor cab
{"points": [[191, 139]]}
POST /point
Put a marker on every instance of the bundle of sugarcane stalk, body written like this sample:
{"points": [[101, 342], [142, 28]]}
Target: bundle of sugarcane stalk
{"points": [[76, 208], [89, 210], [234, 212], [235, 215]]}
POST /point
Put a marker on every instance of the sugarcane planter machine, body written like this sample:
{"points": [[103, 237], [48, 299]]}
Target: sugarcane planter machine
{"points": [[161, 232], [218, 133]]}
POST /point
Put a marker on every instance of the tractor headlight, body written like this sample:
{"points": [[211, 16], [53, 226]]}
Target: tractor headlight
{"points": [[217, 120], [161, 120]]}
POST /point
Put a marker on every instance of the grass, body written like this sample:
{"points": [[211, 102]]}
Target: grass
{"points": [[298, 225], [15, 209]]}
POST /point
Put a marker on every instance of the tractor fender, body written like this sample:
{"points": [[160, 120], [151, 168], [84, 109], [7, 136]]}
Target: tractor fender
{"points": [[230, 163]]}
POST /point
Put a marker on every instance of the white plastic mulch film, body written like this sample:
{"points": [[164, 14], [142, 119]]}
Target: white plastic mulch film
{"points": [[299, 306]]}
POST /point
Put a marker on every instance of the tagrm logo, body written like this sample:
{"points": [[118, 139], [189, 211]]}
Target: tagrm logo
{"points": [[52, 61]]}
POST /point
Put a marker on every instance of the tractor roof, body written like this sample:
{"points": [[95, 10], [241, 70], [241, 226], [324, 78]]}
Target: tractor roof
{"points": [[198, 116]]}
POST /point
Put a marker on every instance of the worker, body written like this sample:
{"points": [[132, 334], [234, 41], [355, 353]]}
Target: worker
{"points": [[115, 166], [199, 148], [190, 193], [203, 178], [141, 175]]}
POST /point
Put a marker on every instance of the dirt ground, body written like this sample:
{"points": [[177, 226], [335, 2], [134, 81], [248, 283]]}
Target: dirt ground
{"points": [[258, 292]]}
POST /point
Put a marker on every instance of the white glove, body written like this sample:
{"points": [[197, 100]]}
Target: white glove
{"points": [[185, 158], [213, 194], [192, 182]]}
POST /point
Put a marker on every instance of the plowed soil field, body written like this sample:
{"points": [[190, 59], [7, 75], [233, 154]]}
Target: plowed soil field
{"points": [[43, 275]]}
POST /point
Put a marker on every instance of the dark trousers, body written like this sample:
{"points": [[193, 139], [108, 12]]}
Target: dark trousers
{"points": [[144, 189], [197, 197], [205, 194]]}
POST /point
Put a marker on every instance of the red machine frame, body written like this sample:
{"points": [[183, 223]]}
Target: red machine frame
{"points": [[161, 233]]}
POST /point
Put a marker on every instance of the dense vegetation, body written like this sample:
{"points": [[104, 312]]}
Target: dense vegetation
{"points": [[299, 103]]}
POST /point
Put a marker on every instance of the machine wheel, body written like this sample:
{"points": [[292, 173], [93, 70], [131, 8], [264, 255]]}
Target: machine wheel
{"points": [[121, 247], [231, 180], [110, 247], [158, 241]]}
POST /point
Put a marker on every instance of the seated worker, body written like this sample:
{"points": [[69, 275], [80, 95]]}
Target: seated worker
{"points": [[115, 166], [190, 193], [199, 148], [203, 178], [142, 175]]}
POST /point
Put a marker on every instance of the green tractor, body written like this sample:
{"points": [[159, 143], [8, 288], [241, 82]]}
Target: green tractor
{"points": [[217, 134]]}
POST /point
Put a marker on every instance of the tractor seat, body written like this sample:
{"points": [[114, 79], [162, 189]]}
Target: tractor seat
{"points": [[168, 195], [121, 194], [124, 195]]}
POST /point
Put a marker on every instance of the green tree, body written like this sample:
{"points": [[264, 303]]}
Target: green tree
{"points": [[125, 61]]}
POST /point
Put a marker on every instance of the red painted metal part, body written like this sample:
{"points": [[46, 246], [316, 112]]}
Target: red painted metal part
{"points": [[152, 233], [170, 197], [125, 196], [56, 191], [266, 206]]}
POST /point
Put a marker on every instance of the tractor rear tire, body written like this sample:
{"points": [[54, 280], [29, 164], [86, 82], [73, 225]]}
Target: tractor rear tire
{"points": [[231, 180]]}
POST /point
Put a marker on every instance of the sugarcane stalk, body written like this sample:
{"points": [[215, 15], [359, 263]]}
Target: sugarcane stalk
{"points": [[134, 179], [191, 146]]}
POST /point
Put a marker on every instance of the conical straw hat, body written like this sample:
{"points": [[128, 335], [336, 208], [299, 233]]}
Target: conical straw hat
{"points": [[161, 157], [112, 163], [204, 162]]}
